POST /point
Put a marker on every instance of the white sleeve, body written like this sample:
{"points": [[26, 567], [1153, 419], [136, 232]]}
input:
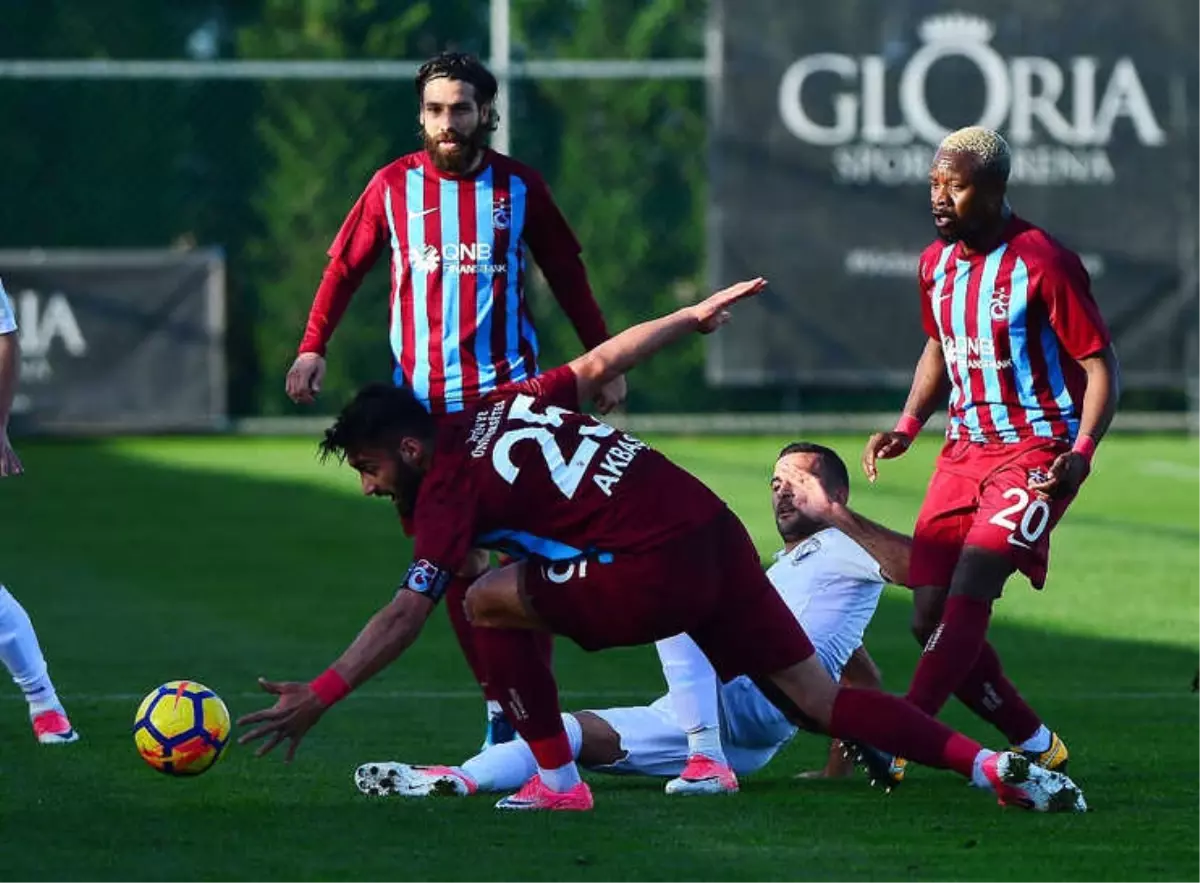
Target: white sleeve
{"points": [[8, 318]]}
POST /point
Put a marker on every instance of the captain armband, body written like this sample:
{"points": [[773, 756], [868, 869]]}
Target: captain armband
{"points": [[426, 578]]}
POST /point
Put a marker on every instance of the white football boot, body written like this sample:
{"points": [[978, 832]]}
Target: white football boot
{"points": [[385, 779]]}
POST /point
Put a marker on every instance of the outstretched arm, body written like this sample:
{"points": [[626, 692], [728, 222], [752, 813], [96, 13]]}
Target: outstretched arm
{"points": [[299, 705], [635, 345]]}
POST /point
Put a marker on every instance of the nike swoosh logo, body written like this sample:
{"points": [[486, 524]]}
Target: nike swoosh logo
{"points": [[412, 216]]}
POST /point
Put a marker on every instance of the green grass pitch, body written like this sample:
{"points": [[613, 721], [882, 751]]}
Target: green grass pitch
{"points": [[143, 560]]}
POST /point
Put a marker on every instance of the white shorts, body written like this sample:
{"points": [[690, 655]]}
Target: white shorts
{"points": [[752, 732]]}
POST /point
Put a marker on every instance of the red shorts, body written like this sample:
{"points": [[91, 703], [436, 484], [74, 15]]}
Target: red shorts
{"points": [[979, 496], [708, 583]]}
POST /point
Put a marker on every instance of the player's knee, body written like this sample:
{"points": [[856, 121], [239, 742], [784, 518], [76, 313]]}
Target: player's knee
{"points": [[480, 605], [981, 573]]}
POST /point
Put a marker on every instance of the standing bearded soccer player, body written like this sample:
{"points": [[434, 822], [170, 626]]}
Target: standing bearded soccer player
{"points": [[1016, 339], [621, 547], [457, 217], [19, 648]]}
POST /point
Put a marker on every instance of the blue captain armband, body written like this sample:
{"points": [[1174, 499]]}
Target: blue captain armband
{"points": [[426, 578]]}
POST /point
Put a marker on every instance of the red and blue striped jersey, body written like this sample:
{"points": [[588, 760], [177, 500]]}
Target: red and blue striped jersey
{"points": [[459, 324], [1013, 324]]}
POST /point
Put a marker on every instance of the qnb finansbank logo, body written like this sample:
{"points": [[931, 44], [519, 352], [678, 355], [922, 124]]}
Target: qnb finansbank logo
{"points": [[456, 258], [1059, 114]]}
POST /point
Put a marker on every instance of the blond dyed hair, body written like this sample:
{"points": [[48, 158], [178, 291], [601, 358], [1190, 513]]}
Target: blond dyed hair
{"points": [[988, 147]]}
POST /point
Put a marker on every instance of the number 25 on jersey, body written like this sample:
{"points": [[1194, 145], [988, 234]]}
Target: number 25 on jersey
{"points": [[566, 474]]}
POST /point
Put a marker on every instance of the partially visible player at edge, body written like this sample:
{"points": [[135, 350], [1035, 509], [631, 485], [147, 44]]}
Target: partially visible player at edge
{"points": [[622, 547], [1016, 339], [457, 217], [19, 648]]}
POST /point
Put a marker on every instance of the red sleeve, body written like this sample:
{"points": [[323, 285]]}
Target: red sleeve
{"points": [[353, 252], [558, 387], [925, 284], [1073, 312], [557, 253]]}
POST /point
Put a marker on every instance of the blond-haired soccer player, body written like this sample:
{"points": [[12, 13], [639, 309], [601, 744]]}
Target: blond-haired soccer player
{"points": [[1016, 339]]}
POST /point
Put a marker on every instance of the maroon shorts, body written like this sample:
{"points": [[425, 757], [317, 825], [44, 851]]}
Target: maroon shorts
{"points": [[979, 496], [708, 583]]}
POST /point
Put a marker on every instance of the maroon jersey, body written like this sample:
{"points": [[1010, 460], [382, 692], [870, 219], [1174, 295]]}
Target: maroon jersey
{"points": [[1012, 324], [459, 324], [523, 473]]}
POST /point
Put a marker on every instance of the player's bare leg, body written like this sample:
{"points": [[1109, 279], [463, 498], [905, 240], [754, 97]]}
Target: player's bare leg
{"points": [[520, 673], [807, 694], [860, 671]]}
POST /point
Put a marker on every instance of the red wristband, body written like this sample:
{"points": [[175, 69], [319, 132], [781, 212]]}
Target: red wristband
{"points": [[329, 687], [1085, 446], [908, 425]]}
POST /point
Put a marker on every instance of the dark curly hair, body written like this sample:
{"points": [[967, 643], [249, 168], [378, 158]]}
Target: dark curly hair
{"points": [[379, 415], [468, 69]]}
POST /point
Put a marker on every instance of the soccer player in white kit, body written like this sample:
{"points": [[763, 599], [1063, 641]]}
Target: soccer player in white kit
{"points": [[19, 650], [702, 733]]}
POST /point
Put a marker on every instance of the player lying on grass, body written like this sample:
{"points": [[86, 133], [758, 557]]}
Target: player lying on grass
{"points": [[704, 734], [619, 547]]}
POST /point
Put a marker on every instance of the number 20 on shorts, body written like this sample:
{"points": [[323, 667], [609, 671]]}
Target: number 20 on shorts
{"points": [[1026, 519]]}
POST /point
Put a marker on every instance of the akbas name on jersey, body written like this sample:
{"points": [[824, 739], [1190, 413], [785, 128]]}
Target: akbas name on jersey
{"points": [[547, 428]]}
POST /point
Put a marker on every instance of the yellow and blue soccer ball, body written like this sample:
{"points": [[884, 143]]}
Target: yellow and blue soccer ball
{"points": [[181, 728]]}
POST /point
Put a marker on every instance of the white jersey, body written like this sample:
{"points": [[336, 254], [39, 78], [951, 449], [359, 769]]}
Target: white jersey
{"points": [[832, 586], [8, 317]]}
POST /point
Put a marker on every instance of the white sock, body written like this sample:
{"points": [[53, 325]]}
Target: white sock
{"points": [[21, 655], [1039, 741], [707, 742], [509, 766], [565, 777], [494, 709], [978, 779], [562, 778], [693, 689]]}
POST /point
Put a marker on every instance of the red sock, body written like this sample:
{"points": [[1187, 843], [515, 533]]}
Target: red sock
{"points": [[456, 594], [520, 675], [893, 725], [992, 696], [950, 652]]}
